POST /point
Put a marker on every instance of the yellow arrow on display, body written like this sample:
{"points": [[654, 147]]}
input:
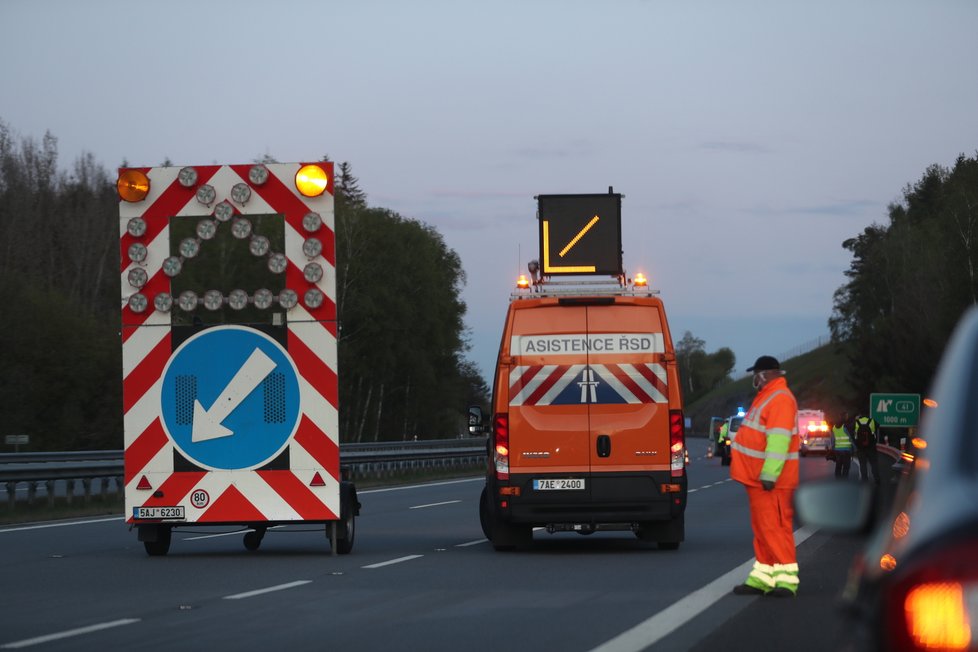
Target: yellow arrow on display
{"points": [[553, 269], [587, 227]]}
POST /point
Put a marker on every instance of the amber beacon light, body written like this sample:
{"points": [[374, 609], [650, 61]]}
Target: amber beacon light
{"points": [[311, 180], [132, 185]]}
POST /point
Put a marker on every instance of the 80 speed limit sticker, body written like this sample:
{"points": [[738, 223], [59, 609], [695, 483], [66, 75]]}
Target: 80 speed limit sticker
{"points": [[199, 498]]}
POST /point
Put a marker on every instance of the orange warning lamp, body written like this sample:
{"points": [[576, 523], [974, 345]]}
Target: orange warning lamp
{"points": [[132, 185], [311, 180], [522, 282], [641, 281]]}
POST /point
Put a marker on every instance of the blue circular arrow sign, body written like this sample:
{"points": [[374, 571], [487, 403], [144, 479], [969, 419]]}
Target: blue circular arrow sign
{"points": [[230, 398]]}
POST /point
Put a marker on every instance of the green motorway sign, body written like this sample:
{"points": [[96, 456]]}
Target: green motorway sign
{"points": [[895, 410]]}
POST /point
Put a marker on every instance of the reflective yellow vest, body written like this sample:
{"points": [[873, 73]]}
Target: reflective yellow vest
{"points": [[840, 439]]}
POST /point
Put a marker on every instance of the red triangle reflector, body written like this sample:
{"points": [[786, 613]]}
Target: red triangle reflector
{"points": [[144, 484], [317, 481]]}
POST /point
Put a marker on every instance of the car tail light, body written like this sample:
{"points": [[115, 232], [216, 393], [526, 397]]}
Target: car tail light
{"points": [[677, 442], [935, 606], [500, 428]]}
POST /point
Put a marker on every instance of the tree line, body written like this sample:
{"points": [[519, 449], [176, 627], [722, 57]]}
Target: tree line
{"points": [[910, 281], [701, 372], [401, 346]]}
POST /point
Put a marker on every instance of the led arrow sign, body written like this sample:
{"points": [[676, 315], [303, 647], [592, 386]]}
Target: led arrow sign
{"points": [[580, 234]]}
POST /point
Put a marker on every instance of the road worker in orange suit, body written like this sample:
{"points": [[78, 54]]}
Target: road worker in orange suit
{"points": [[764, 458]]}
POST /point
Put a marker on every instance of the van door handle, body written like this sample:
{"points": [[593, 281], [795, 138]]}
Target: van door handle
{"points": [[604, 446]]}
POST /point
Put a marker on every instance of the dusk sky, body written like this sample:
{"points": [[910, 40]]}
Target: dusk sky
{"points": [[749, 138]]}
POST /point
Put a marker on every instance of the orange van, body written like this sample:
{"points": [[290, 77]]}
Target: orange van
{"points": [[587, 429]]}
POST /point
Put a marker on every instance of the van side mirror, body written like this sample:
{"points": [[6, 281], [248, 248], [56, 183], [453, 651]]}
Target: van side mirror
{"points": [[476, 420]]}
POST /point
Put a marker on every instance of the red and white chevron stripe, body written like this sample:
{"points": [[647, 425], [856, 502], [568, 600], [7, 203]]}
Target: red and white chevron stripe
{"points": [[636, 383], [309, 489], [542, 384]]}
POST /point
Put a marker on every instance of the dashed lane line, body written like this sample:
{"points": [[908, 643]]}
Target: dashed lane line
{"points": [[471, 543], [47, 638], [420, 486], [270, 589], [392, 561], [47, 525], [444, 502], [227, 534]]}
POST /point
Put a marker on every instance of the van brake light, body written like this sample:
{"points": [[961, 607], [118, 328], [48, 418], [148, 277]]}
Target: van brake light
{"points": [[500, 427], [677, 442]]}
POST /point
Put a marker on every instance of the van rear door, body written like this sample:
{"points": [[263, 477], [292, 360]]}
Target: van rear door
{"points": [[549, 430], [629, 410]]}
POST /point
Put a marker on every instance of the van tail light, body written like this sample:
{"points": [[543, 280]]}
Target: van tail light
{"points": [[677, 442], [935, 606], [500, 429]]}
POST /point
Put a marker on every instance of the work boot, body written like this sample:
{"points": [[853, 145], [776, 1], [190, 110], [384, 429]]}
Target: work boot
{"points": [[745, 589], [780, 592]]}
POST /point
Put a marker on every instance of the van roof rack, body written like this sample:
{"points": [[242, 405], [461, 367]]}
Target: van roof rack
{"points": [[612, 287]]}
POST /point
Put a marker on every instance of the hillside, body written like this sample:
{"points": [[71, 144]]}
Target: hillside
{"points": [[818, 379]]}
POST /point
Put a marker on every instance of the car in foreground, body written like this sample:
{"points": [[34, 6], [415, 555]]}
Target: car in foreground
{"points": [[915, 584]]}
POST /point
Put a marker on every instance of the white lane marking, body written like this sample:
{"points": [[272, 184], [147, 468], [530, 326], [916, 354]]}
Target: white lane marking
{"points": [[270, 589], [226, 534], [47, 525], [447, 502], [214, 536], [471, 543], [393, 561], [421, 486], [668, 620], [67, 634]]}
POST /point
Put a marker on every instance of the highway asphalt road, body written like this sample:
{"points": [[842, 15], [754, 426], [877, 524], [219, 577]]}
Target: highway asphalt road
{"points": [[420, 577]]}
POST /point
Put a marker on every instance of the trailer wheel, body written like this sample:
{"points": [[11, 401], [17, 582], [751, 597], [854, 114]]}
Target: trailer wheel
{"points": [[344, 540], [160, 545], [252, 539], [347, 527]]}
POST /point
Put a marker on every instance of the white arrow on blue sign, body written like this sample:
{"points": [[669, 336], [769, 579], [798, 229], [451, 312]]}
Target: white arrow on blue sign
{"points": [[230, 398]]}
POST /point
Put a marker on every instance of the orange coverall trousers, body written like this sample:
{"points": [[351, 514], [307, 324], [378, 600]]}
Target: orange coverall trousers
{"points": [[771, 518]]}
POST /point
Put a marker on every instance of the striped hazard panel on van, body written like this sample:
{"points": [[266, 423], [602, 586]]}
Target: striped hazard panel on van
{"points": [[581, 383]]}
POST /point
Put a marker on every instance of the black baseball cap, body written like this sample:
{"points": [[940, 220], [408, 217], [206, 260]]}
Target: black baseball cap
{"points": [[765, 363]]}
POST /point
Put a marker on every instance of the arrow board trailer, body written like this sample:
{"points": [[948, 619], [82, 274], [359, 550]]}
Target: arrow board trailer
{"points": [[229, 351]]}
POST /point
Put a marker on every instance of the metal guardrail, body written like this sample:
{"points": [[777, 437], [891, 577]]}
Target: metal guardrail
{"points": [[357, 461]]}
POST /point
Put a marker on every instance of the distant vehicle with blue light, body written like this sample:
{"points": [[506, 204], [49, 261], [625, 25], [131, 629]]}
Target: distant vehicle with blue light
{"points": [[728, 431]]}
